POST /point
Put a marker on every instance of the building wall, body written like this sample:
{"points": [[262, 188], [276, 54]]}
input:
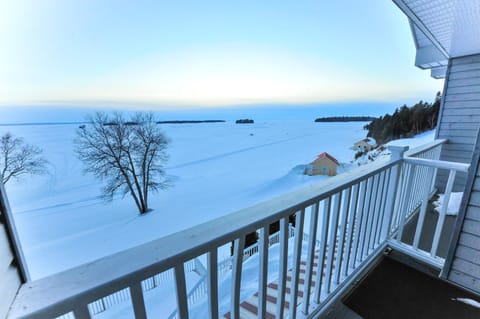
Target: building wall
{"points": [[459, 119], [10, 279], [463, 261], [320, 163], [362, 146]]}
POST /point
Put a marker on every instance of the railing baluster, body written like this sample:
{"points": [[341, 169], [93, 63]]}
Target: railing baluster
{"points": [[351, 223], [443, 212], [236, 276], [282, 280], [370, 214], [391, 201], [297, 253], [358, 224], [365, 218], [137, 300], [319, 282], [332, 241], [263, 273], [377, 211], [182, 303], [212, 283], [397, 198], [403, 212], [423, 211], [383, 206], [341, 238], [81, 312], [310, 257]]}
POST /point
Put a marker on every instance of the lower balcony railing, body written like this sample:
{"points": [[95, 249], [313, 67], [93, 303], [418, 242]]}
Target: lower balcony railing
{"points": [[341, 225]]}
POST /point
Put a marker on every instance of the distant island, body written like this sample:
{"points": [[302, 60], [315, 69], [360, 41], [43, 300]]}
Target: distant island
{"points": [[190, 121], [245, 121], [345, 119]]}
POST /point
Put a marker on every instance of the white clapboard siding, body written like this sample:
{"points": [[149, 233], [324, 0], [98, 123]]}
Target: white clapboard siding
{"points": [[9, 284], [463, 262], [459, 119], [10, 279]]}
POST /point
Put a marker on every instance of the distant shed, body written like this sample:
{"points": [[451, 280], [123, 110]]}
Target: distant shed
{"points": [[324, 164], [364, 145]]}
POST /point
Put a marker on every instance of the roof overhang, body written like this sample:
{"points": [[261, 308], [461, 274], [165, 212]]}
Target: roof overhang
{"points": [[442, 29]]}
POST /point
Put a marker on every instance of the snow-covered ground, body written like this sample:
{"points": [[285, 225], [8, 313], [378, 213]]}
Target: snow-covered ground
{"points": [[215, 168], [453, 203]]}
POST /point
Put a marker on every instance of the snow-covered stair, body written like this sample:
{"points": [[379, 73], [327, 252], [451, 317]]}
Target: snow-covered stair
{"points": [[249, 308]]}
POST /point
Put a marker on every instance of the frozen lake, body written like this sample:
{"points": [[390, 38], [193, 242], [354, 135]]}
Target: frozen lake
{"points": [[216, 169]]}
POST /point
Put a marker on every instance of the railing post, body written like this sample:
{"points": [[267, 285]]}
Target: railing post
{"points": [[397, 154]]}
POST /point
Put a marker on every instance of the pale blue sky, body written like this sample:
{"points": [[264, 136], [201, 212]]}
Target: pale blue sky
{"points": [[207, 53]]}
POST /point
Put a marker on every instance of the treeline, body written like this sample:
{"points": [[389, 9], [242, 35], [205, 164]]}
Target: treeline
{"points": [[345, 119], [405, 121], [190, 121]]}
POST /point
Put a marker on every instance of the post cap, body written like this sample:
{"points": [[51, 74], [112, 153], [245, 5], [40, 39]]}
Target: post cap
{"points": [[397, 151]]}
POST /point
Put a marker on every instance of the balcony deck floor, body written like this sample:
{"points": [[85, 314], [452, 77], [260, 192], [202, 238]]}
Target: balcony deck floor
{"points": [[428, 231], [393, 290]]}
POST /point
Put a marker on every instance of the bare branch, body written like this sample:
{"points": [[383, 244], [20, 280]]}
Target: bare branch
{"points": [[128, 155], [18, 158]]}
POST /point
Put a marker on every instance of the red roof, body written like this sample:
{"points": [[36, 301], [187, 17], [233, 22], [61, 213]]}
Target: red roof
{"points": [[330, 157]]}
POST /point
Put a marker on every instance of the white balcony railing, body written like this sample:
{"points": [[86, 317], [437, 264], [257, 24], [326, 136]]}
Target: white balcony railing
{"points": [[351, 219]]}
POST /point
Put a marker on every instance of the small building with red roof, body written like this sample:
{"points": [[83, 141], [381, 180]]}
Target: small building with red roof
{"points": [[324, 164]]}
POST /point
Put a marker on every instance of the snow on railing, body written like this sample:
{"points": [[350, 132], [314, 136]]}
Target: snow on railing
{"points": [[349, 225]]}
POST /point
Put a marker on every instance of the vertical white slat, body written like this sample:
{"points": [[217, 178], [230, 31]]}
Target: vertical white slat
{"points": [[332, 238], [319, 280], [212, 283], [236, 276], [383, 206], [423, 211], [181, 291], [443, 213], [351, 221], [263, 273], [341, 237], [403, 212], [282, 279], [310, 257], [365, 218], [358, 224], [435, 170], [81, 312], [398, 184], [137, 300], [390, 201], [297, 253], [371, 214], [377, 211]]}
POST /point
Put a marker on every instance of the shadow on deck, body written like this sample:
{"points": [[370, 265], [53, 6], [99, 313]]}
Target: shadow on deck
{"points": [[393, 290], [396, 289]]}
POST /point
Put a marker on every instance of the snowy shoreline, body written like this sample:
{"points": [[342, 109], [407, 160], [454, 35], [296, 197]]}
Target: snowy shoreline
{"points": [[216, 170]]}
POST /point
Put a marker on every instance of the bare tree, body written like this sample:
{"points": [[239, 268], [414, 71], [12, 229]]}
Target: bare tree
{"points": [[128, 155], [18, 158]]}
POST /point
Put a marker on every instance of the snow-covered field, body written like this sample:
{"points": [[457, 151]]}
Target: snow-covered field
{"points": [[215, 168]]}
